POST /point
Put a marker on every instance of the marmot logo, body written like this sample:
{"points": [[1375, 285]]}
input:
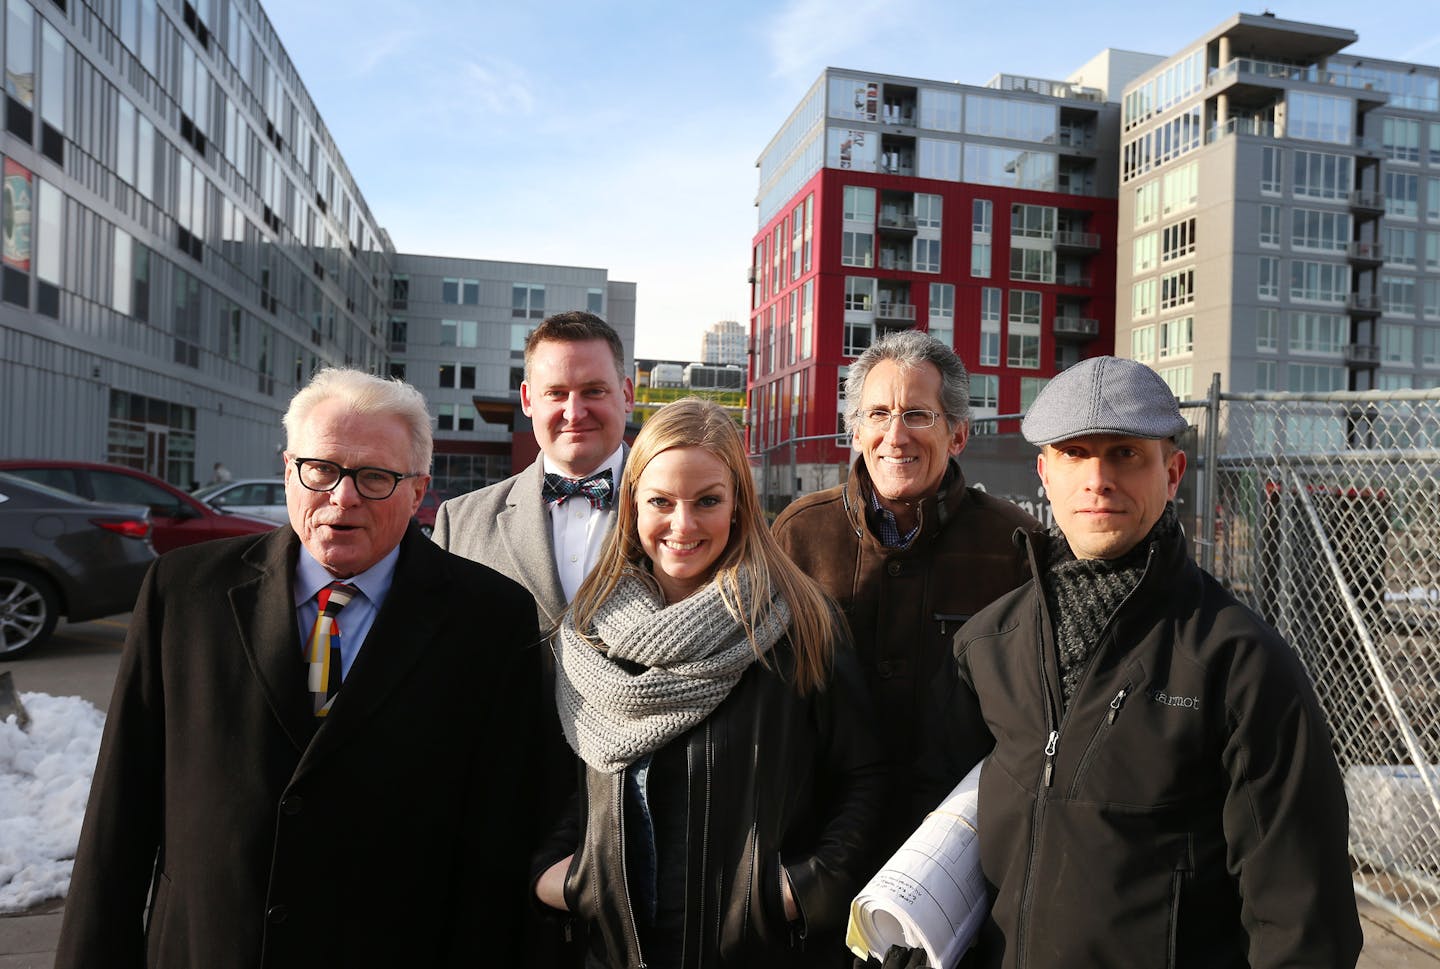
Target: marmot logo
{"points": [[1188, 702]]}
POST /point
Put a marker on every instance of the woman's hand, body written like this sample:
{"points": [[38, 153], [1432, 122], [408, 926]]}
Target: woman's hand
{"points": [[550, 889]]}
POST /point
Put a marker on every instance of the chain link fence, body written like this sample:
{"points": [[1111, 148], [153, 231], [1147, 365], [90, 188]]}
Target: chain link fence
{"points": [[1322, 513]]}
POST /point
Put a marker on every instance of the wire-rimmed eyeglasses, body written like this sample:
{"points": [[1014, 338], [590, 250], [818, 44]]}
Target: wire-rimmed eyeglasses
{"points": [[376, 484], [917, 419]]}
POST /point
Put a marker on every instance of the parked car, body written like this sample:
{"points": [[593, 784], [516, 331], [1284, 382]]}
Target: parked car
{"points": [[256, 497], [429, 505], [177, 519], [64, 555]]}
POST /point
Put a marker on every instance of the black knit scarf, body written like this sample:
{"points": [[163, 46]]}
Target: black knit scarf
{"points": [[1082, 594]]}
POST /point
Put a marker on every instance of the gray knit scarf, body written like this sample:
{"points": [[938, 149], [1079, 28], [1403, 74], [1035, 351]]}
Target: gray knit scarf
{"points": [[663, 670]]}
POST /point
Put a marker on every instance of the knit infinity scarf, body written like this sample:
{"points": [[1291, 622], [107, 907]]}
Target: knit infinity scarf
{"points": [[664, 669]]}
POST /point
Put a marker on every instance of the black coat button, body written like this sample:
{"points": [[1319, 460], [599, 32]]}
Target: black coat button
{"points": [[894, 568], [292, 805], [885, 668], [277, 914]]}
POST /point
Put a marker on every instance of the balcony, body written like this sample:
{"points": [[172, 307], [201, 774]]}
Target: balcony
{"points": [[1084, 282], [1240, 126], [751, 275], [1362, 304], [1088, 241], [1368, 201], [1366, 253], [1079, 329], [897, 222], [893, 313], [1366, 355]]}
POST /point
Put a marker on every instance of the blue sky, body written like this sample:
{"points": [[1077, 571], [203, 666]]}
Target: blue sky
{"points": [[624, 135]]}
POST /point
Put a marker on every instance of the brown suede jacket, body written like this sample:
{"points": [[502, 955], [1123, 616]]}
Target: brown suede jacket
{"points": [[905, 604]]}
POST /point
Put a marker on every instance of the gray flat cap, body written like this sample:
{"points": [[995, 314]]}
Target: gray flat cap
{"points": [[1103, 395]]}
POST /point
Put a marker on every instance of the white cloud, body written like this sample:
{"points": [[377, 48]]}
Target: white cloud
{"points": [[809, 34], [495, 87]]}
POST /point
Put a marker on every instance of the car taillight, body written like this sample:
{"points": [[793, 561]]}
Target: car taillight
{"points": [[129, 527]]}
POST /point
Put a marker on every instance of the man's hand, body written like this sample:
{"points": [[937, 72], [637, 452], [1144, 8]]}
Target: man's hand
{"points": [[898, 957], [550, 889]]}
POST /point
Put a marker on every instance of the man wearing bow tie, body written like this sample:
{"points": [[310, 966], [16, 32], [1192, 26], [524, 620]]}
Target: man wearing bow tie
{"points": [[544, 526]]}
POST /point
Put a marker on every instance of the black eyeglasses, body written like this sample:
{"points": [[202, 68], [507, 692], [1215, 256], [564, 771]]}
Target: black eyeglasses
{"points": [[377, 484], [916, 420]]}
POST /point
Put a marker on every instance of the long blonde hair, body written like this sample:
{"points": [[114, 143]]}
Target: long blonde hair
{"points": [[692, 422]]}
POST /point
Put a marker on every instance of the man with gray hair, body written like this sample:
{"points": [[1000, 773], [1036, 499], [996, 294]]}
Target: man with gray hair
{"points": [[309, 729], [1160, 787], [904, 546]]}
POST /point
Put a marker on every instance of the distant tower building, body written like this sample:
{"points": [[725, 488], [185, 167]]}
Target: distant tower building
{"points": [[724, 344]]}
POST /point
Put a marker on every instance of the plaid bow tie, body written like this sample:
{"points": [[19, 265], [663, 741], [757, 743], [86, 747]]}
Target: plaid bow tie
{"points": [[598, 489]]}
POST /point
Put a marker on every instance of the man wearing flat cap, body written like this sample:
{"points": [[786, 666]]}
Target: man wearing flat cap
{"points": [[1160, 788]]}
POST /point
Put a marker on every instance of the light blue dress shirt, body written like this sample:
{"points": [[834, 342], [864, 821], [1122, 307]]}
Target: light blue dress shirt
{"points": [[357, 617]]}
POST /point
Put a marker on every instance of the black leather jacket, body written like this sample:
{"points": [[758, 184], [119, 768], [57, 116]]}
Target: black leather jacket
{"points": [[774, 780]]}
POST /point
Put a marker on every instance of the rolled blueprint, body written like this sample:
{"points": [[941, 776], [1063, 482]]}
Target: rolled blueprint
{"points": [[931, 893]]}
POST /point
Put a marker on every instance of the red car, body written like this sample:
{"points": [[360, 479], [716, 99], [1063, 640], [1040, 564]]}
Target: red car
{"points": [[429, 505], [177, 518]]}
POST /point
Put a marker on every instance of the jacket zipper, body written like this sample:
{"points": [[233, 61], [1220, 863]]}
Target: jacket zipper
{"points": [[704, 852], [1053, 738], [1115, 703], [625, 873]]}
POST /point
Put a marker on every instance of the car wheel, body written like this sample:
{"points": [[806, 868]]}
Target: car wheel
{"points": [[29, 609]]}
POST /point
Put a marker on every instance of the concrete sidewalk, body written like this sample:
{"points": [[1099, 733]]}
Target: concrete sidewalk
{"points": [[27, 941]]}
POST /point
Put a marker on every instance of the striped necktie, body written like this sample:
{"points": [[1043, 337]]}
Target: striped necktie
{"points": [[325, 645]]}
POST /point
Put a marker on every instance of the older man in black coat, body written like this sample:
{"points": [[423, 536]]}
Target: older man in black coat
{"points": [[288, 782]]}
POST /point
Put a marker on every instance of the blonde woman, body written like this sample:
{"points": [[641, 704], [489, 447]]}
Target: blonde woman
{"points": [[730, 777]]}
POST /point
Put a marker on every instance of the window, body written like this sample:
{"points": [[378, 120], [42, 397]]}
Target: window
{"points": [[1032, 221], [1402, 194], [595, 301], [1432, 252], [1397, 295], [1178, 379], [1180, 189], [1322, 175], [990, 302], [927, 255], [984, 391], [1178, 240], [1023, 345], [1399, 246], [1032, 265], [1177, 337], [120, 284], [1142, 343], [1432, 193], [1319, 117], [982, 225], [1010, 167], [1270, 226], [1177, 289], [459, 333], [1319, 230], [939, 110], [1397, 344], [1147, 248], [460, 292], [1268, 277], [1265, 375], [455, 417], [457, 376], [858, 336], [1431, 305], [942, 313], [527, 301], [1430, 346], [1270, 171], [399, 335], [807, 318], [859, 204], [1323, 333], [1030, 388], [1143, 297], [1267, 330], [927, 210], [1400, 139], [1147, 203], [857, 249], [1319, 282], [1313, 378], [938, 159], [859, 293]]}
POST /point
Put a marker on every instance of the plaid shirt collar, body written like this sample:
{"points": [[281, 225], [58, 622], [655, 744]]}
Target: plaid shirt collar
{"points": [[882, 521]]}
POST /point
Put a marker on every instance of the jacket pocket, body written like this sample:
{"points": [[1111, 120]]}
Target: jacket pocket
{"points": [[155, 929]]}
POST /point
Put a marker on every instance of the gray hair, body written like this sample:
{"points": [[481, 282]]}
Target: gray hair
{"points": [[909, 349], [366, 394]]}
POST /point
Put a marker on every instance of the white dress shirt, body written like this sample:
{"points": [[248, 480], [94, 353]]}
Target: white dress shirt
{"points": [[578, 529], [357, 617]]}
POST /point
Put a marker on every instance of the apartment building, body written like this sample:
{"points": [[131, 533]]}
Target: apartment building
{"points": [[183, 246], [1279, 214], [724, 344], [984, 215]]}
